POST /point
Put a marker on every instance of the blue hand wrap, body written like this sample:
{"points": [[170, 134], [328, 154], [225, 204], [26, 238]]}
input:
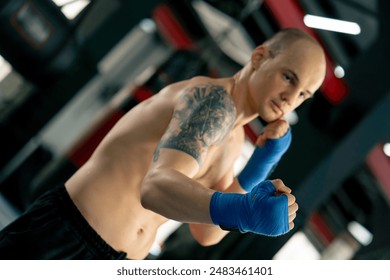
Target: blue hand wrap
{"points": [[263, 161], [260, 211]]}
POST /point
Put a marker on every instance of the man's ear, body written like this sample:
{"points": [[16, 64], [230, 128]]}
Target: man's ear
{"points": [[258, 55]]}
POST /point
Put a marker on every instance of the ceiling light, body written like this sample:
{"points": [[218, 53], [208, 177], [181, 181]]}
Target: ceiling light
{"points": [[331, 24], [339, 72], [148, 25], [360, 233], [386, 149]]}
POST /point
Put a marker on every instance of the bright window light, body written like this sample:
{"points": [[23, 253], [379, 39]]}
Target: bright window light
{"points": [[332, 24]]}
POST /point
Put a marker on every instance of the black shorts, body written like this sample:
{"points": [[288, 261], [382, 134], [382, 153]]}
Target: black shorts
{"points": [[53, 228]]}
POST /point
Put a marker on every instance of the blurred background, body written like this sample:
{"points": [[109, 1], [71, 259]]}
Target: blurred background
{"points": [[69, 69]]}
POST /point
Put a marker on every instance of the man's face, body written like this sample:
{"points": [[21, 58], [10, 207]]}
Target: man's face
{"points": [[282, 83]]}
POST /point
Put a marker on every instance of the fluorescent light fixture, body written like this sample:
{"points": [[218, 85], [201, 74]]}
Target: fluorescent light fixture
{"points": [[360, 233], [331, 24], [386, 149]]}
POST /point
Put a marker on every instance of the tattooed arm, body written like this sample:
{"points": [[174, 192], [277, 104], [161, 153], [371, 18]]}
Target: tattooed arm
{"points": [[202, 118]]}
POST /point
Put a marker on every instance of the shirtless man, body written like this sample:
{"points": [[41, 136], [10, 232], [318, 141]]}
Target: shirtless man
{"points": [[172, 156]]}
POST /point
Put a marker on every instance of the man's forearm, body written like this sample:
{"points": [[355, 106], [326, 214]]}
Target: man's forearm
{"points": [[176, 196], [208, 235]]}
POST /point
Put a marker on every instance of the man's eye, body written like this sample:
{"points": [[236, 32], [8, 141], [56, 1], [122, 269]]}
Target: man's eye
{"points": [[287, 77]]}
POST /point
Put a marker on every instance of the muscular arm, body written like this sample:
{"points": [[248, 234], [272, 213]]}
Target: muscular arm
{"points": [[202, 118], [206, 234]]}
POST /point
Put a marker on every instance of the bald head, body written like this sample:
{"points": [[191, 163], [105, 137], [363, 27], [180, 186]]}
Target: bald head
{"points": [[298, 45], [287, 69], [285, 38]]}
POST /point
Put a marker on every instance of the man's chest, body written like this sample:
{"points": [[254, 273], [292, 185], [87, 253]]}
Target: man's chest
{"points": [[218, 162]]}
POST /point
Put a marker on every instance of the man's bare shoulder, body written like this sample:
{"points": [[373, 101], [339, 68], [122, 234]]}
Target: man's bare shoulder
{"points": [[222, 82], [195, 81], [203, 80], [175, 91]]}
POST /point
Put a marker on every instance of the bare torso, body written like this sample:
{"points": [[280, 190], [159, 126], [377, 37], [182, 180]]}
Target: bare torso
{"points": [[107, 188]]}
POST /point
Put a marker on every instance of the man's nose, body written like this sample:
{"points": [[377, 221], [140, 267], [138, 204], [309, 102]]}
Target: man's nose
{"points": [[289, 96]]}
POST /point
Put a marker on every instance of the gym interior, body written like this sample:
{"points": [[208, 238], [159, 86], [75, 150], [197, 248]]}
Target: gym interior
{"points": [[69, 69]]}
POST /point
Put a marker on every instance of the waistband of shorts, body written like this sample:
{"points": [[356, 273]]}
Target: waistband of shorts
{"points": [[82, 228]]}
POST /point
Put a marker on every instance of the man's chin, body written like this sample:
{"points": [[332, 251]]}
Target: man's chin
{"points": [[268, 119], [273, 118]]}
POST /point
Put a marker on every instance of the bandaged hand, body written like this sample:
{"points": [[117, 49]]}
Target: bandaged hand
{"points": [[271, 145], [269, 209]]}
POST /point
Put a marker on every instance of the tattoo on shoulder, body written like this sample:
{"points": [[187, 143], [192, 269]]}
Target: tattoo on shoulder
{"points": [[204, 117]]}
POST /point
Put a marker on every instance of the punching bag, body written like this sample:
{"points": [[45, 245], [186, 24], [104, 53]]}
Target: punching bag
{"points": [[36, 39]]}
